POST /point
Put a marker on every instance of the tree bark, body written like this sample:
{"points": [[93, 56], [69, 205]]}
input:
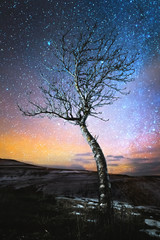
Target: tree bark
{"points": [[105, 199]]}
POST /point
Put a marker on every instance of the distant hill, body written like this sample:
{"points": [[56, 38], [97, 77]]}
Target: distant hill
{"points": [[11, 162], [62, 182]]}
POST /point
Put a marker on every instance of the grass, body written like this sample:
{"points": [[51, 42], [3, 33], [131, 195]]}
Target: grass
{"points": [[26, 214]]}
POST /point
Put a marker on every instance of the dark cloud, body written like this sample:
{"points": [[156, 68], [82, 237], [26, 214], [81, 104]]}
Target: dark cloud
{"points": [[143, 160], [138, 159], [141, 167], [113, 164], [118, 156], [83, 158], [114, 158], [83, 154]]}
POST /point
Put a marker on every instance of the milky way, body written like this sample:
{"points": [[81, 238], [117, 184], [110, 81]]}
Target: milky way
{"points": [[130, 139]]}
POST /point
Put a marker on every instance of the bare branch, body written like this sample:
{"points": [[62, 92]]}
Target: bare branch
{"points": [[90, 71]]}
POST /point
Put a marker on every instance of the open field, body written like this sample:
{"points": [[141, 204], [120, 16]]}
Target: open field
{"points": [[42, 203]]}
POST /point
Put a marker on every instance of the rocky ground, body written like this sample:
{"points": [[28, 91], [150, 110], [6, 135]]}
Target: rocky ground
{"points": [[134, 196]]}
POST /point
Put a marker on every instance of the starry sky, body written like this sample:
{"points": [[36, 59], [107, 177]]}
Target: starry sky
{"points": [[131, 138]]}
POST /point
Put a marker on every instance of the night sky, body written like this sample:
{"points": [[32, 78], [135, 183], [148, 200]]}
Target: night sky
{"points": [[131, 138]]}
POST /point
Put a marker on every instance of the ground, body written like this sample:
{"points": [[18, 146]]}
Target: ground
{"points": [[41, 203]]}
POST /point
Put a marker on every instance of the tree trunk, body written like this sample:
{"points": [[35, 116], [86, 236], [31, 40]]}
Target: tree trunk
{"points": [[105, 199]]}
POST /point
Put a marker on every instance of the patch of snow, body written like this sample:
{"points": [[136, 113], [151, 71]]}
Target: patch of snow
{"points": [[152, 223], [76, 213], [79, 206], [135, 214], [91, 220], [78, 199], [118, 205], [92, 203], [118, 208], [151, 232], [92, 207], [141, 207], [127, 205], [89, 199]]}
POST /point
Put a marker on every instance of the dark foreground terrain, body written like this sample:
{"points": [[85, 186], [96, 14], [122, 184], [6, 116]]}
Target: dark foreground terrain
{"points": [[41, 203]]}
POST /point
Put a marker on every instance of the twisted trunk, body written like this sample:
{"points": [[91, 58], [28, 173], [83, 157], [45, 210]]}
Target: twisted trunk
{"points": [[105, 199]]}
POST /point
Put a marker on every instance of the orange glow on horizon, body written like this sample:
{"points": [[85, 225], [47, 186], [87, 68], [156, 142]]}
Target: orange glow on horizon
{"points": [[53, 143], [37, 150]]}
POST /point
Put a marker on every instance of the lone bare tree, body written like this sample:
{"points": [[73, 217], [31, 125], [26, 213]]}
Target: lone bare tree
{"points": [[89, 72]]}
